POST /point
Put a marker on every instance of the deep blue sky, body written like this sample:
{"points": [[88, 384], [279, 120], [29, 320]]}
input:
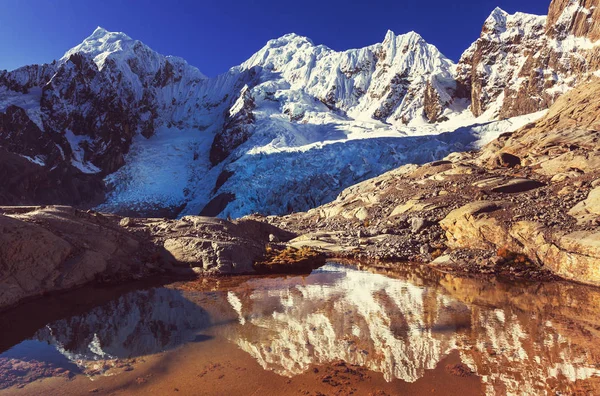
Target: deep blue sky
{"points": [[217, 34]]}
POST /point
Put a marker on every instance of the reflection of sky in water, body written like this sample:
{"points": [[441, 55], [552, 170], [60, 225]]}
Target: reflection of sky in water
{"points": [[399, 327], [33, 350], [137, 324]]}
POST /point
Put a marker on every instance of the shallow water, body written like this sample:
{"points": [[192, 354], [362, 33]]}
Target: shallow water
{"points": [[340, 330]]}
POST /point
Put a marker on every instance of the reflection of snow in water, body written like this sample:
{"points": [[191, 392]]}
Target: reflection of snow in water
{"points": [[236, 304], [137, 324], [400, 329], [360, 317]]}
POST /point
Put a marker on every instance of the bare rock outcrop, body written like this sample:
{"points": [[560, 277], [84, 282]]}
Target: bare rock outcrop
{"points": [[58, 248], [526, 205], [580, 18], [54, 248], [212, 246], [571, 255]]}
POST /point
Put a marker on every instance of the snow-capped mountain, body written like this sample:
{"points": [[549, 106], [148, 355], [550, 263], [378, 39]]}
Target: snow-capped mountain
{"points": [[522, 63], [286, 130]]}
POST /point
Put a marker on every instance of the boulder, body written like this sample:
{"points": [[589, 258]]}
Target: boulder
{"points": [[58, 248], [588, 209], [198, 244], [206, 255], [505, 160], [507, 185], [470, 226], [415, 205], [417, 224]]}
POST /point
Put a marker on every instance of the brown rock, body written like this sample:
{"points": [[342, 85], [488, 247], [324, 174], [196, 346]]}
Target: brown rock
{"points": [[584, 21], [471, 227], [506, 160], [58, 248], [589, 209]]}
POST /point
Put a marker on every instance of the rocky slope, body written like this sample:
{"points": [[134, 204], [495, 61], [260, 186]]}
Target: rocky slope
{"points": [[47, 249], [523, 205], [114, 122], [522, 63]]}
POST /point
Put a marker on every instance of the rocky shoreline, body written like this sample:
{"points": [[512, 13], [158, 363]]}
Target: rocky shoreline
{"points": [[526, 205], [56, 248]]}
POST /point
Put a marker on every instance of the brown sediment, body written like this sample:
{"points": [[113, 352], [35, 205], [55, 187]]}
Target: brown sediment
{"points": [[223, 369], [278, 260]]}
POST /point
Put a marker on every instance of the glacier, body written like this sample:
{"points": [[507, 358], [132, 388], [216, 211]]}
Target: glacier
{"points": [[285, 131]]}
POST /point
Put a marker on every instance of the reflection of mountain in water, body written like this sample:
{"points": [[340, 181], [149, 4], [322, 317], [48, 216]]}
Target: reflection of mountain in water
{"points": [[398, 328], [359, 317], [531, 339], [522, 339], [137, 324]]}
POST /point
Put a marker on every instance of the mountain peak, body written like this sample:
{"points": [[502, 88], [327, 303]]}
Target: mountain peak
{"points": [[389, 35], [102, 43], [498, 15], [496, 22], [289, 38], [102, 34], [99, 32], [392, 38], [498, 12]]}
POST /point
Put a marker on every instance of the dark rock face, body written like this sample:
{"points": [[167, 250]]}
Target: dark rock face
{"points": [[237, 128], [34, 169], [217, 204], [25, 183], [522, 61], [18, 134], [70, 102]]}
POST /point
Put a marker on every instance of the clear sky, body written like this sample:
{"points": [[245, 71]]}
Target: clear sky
{"points": [[215, 35]]}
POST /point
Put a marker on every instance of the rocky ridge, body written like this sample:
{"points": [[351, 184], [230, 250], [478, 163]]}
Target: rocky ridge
{"points": [[522, 63], [122, 120], [57, 248], [525, 205]]}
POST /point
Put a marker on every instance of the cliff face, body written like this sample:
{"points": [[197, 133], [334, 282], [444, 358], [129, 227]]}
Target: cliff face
{"points": [[154, 134], [580, 18], [522, 63]]}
